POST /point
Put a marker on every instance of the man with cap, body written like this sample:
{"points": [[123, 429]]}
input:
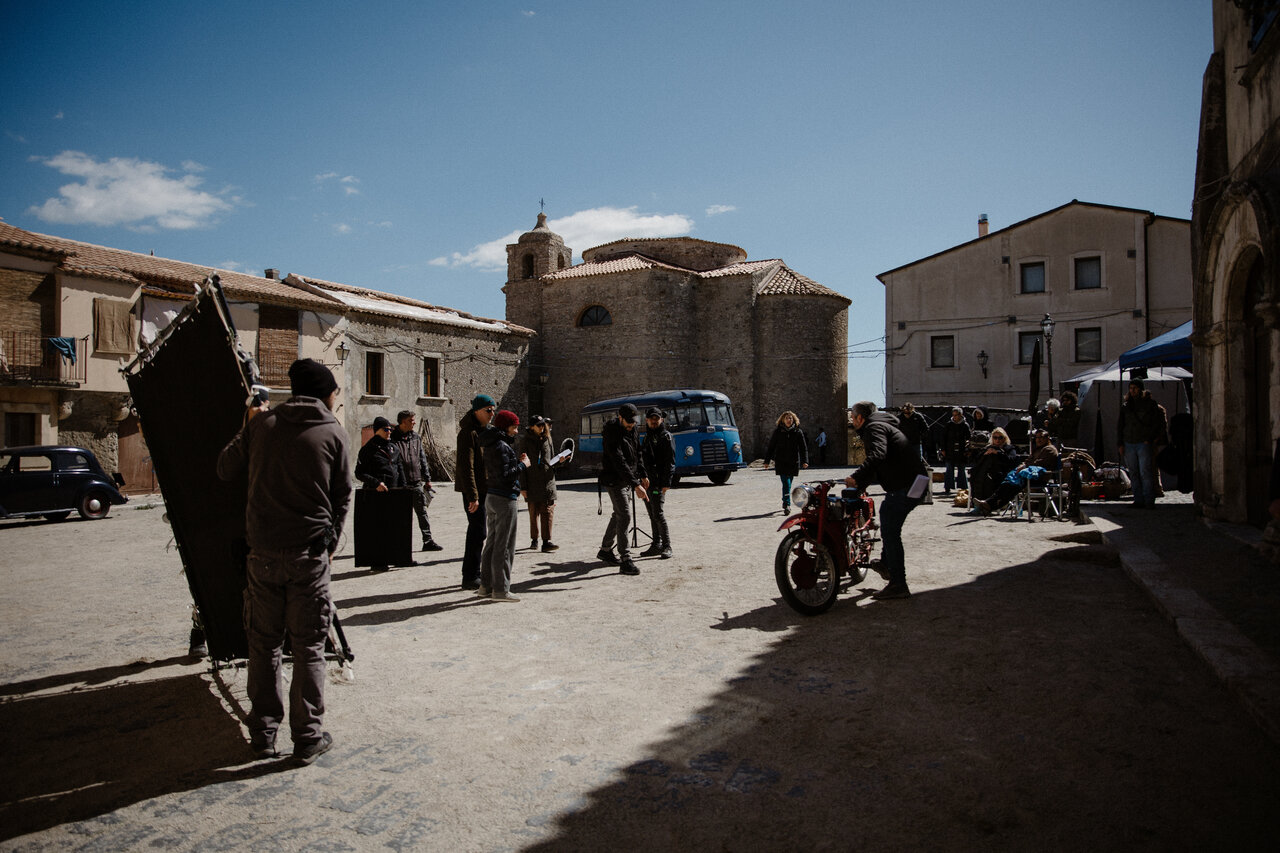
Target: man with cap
{"points": [[622, 472], [658, 453], [378, 465], [299, 483], [538, 483], [471, 482], [415, 473]]}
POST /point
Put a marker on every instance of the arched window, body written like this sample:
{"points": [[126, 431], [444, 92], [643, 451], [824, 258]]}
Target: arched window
{"points": [[526, 264], [596, 315], [560, 263]]}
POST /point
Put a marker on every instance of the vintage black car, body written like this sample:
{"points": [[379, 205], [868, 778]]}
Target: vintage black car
{"points": [[54, 480]]}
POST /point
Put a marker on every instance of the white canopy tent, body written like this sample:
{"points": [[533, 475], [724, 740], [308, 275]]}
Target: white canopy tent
{"points": [[1101, 393]]}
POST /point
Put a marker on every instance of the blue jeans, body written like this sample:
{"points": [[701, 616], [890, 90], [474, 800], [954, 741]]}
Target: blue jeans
{"points": [[894, 510], [955, 474], [786, 489], [1139, 458]]}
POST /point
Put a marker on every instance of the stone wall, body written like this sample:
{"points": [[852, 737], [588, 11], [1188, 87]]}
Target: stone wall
{"points": [[93, 423]]}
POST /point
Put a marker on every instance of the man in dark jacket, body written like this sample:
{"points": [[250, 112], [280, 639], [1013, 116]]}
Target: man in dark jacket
{"points": [[622, 472], [470, 481], [415, 472], [1141, 425], [955, 451], [916, 428], [658, 453], [893, 463], [299, 484], [378, 468], [538, 482]]}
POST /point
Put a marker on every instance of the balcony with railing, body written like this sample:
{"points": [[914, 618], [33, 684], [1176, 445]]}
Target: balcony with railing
{"points": [[29, 359]]}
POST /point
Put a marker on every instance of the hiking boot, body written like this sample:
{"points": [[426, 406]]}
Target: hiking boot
{"points": [[432, 545], [605, 555], [309, 752], [533, 544], [503, 596], [893, 590], [264, 747], [666, 552], [483, 591], [471, 584], [628, 567], [549, 546], [197, 647], [652, 551]]}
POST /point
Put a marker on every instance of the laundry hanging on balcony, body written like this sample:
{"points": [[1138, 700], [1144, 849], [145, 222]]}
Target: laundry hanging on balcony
{"points": [[65, 347]]}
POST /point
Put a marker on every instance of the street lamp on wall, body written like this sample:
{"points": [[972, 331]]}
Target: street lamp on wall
{"points": [[1046, 327], [343, 352], [983, 358]]}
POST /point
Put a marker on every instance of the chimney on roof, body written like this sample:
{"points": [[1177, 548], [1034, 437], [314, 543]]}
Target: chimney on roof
{"points": [[983, 227], [273, 274]]}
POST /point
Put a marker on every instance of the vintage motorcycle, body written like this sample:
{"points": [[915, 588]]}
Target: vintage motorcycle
{"points": [[832, 534]]}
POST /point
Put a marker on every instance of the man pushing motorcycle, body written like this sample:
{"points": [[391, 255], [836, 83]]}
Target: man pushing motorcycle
{"points": [[896, 465]]}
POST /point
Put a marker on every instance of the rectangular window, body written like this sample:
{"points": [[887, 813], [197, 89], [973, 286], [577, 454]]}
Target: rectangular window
{"points": [[942, 351], [1088, 273], [1033, 277], [430, 377], [1089, 344], [373, 373], [1027, 346], [19, 429], [277, 343]]}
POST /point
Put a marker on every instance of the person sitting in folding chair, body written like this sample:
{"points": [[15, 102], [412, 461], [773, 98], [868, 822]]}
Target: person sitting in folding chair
{"points": [[1038, 469]]}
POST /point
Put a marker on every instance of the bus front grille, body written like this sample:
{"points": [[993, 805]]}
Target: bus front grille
{"points": [[714, 452]]}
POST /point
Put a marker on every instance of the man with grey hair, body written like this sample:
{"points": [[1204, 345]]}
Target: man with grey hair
{"points": [[894, 464]]}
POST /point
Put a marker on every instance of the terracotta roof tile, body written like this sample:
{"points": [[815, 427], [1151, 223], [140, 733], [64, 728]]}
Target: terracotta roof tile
{"points": [[788, 282], [627, 263], [741, 268], [392, 305]]}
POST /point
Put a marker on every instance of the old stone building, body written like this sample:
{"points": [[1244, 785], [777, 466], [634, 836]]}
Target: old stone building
{"points": [[1236, 244], [961, 325], [72, 314], [678, 312]]}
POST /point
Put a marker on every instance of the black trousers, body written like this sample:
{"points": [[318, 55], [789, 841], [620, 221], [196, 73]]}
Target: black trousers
{"points": [[658, 519], [475, 544]]}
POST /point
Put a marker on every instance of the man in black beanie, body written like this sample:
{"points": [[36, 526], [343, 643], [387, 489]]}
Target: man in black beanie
{"points": [[295, 456]]}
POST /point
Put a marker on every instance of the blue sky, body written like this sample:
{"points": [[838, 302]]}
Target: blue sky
{"points": [[401, 145]]}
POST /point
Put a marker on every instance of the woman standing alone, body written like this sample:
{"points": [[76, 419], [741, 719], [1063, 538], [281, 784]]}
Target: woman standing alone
{"points": [[789, 450]]}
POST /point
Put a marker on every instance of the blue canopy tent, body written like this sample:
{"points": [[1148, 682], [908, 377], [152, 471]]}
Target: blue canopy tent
{"points": [[1172, 349]]}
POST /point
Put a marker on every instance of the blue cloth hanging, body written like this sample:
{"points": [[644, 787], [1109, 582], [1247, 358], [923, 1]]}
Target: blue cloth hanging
{"points": [[66, 347]]}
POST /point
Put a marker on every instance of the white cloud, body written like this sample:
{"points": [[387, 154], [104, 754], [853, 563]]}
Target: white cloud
{"points": [[580, 230], [717, 209], [326, 176], [348, 182], [127, 191], [58, 116], [528, 13], [342, 228]]}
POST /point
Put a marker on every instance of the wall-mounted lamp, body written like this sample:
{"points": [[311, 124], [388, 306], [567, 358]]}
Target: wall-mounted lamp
{"points": [[983, 358], [343, 352]]}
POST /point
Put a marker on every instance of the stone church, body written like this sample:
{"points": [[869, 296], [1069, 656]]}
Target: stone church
{"points": [[677, 312]]}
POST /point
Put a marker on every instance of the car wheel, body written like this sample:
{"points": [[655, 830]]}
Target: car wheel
{"points": [[57, 516], [94, 505]]}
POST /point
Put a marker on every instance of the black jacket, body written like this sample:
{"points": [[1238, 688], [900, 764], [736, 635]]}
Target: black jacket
{"points": [[658, 453], [539, 479], [914, 427], [379, 462], [955, 440], [621, 465], [789, 449], [501, 462], [892, 461]]}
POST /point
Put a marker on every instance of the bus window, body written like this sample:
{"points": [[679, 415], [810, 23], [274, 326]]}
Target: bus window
{"points": [[720, 414], [689, 417]]}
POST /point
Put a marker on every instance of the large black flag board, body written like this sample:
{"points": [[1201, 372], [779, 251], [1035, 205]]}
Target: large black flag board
{"points": [[189, 389]]}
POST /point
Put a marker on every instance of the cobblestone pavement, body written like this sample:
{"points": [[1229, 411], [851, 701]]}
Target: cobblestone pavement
{"points": [[1030, 695]]}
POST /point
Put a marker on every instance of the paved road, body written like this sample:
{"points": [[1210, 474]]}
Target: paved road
{"points": [[1029, 696]]}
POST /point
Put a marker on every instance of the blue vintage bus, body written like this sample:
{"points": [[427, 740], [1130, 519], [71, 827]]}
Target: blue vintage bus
{"points": [[701, 422]]}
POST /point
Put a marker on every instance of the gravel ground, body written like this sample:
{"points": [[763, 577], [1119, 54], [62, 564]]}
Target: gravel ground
{"points": [[1028, 696]]}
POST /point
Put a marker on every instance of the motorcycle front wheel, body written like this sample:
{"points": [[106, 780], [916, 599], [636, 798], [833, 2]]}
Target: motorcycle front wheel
{"points": [[806, 574]]}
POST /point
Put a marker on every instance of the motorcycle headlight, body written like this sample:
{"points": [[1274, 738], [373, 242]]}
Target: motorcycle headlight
{"points": [[688, 451], [801, 495]]}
